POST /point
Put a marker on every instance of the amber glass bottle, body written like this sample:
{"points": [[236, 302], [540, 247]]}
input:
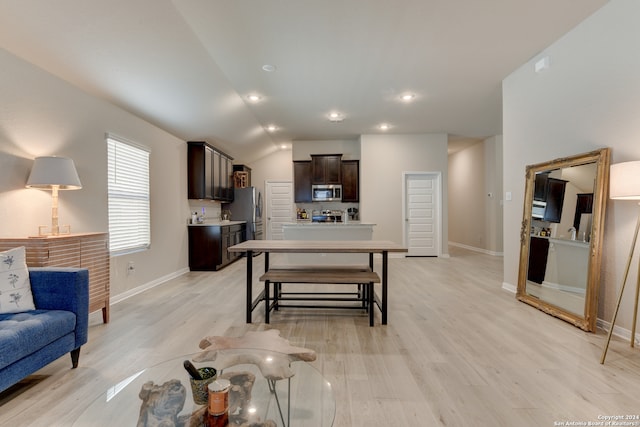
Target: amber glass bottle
{"points": [[217, 420]]}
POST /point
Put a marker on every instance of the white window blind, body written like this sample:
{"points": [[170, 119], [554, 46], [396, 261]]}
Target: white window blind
{"points": [[128, 176]]}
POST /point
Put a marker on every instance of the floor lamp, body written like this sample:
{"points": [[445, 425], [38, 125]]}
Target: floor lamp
{"points": [[625, 185], [54, 173]]}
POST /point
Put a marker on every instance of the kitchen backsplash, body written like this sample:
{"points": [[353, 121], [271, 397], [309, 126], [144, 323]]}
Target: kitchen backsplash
{"points": [[212, 210], [313, 209]]}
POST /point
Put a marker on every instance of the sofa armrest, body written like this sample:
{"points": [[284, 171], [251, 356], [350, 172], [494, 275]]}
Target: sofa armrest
{"points": [[60, 288]]}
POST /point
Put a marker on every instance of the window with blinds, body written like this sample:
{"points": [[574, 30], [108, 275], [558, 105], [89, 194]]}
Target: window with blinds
{"points": [[128, 189]]}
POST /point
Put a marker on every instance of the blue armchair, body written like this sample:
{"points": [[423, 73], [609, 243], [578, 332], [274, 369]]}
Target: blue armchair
{"points": [[31, 340]]}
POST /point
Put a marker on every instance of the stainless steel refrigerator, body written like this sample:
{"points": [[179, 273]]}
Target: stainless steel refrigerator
{"points": [[247, 206]]}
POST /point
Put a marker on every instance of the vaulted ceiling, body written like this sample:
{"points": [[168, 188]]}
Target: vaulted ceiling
{"points": [[188, 66]]}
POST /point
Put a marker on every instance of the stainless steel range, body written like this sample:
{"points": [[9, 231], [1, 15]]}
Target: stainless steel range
{"points": [[327, 216]]}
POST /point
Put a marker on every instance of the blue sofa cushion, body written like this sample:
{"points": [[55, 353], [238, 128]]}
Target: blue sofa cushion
{"points": [[21, 334]]}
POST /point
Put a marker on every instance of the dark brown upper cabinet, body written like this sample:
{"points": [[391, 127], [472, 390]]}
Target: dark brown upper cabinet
{"points": [[540, 187], [326, 169], [302, 181], [209, 172], [350, 183], [584, 204], [555, 199], [551, 191]]}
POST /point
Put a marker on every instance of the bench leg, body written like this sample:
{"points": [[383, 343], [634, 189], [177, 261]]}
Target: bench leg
{"points": [[266, 301], [362, 294], [277, 290]]}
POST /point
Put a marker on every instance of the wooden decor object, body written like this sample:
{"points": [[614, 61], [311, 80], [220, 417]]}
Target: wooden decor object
{"points": [[161, 404], [86, 250], [240, 392], [240, 179], [230, 351]]}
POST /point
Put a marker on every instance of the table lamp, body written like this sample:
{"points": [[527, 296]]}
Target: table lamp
{"points": [[624, 184], [53, 173]]}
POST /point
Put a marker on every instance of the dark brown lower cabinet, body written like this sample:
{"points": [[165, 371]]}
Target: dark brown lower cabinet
{"points": [[538, 255], [208, 245]]}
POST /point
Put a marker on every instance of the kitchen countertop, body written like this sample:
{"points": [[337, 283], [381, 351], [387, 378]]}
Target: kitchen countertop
{"points": [[217, 223], [576, 243], [328, 224]]}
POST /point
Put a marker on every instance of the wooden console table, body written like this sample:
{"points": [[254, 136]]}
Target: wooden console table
{"points": [[81, 250]]}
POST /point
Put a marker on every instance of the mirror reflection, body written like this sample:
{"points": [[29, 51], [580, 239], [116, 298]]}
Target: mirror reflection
{"points": [[560, 233], [561, 236]]}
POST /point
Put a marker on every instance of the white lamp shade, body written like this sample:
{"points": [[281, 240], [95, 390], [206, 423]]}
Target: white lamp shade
{"points": [[624, 181], [50, 171]]}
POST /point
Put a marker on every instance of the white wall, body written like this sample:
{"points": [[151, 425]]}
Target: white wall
{"points": [[383, 160], [276, 166], [475, 196], [493, 153], [588, 98], [43, 115], [466, 197], [350, 149]]}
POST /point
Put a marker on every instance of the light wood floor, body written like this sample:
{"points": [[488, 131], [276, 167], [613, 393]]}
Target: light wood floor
{"points": [[458, 351]]}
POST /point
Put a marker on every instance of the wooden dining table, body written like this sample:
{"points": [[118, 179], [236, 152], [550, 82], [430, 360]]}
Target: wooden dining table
{"points": [[371, 247]]}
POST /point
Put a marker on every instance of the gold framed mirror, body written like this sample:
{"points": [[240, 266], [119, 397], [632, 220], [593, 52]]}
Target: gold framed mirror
{"points": [[562, 235]]}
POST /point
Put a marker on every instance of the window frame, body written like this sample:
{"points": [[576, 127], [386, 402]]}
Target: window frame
{"points": [[131, 199]]}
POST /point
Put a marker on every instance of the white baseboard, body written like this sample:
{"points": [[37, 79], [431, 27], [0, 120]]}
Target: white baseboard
{"points": [[135, 291], [473, 248], [619, 332], [559, 287], [509, 287]]}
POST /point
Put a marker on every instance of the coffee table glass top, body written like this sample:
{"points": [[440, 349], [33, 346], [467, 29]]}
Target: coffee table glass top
{"points": [[304, 399]]}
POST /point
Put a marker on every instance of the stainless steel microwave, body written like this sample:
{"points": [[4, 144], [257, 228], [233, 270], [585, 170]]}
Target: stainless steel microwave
{"points": [[326, 193], [538, 210]]}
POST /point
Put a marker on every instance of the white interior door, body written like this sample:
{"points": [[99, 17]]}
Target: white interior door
{"points": [[422, 213], [279, 207]]}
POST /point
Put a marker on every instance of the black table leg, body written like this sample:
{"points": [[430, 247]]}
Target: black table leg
{"points": [[249, 284], [370, 302], [385, 256]]}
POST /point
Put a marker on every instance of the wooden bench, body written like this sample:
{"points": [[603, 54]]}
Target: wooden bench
{"points": [[364, 277]]}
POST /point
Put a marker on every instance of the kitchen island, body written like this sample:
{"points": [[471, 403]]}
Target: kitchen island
{"points": [[354, 230], [572, 253]]}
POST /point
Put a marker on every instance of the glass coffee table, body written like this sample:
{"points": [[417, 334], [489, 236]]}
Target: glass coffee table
{"points": [[305, 398]]}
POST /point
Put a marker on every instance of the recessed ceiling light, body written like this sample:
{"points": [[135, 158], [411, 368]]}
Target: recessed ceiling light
{"points": [[269, 68], [408, 97], [384, 126], [335, 117], [272, 128], [254, 98]]}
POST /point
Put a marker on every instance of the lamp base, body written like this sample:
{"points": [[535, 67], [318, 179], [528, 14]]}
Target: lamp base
{"points": [[43, 231]]}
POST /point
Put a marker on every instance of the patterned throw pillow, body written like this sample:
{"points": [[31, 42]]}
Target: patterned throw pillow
{"points": [[15, 288]]}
